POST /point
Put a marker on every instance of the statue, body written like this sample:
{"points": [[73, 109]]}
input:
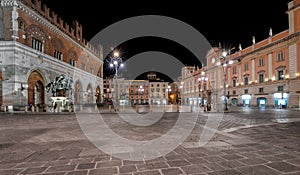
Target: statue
{"points": [[61, 82], [61, 89], [253, 39], [240, 47], [270, 32]]}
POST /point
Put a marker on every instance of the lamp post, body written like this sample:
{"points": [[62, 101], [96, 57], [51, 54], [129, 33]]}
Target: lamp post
{"points": [[169, 91], [201, 87], [141, 94], [223, 62], [116, 63]]}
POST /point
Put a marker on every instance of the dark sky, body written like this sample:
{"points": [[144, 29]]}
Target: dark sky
{"points": [[228, 22]]}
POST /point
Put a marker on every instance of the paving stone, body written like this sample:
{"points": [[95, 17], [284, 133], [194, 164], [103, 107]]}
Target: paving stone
{"points": [[7, 165], [109, 163], [264, 153], [275, 151], [197, 161], [59, 173], [214, 159], [272, 158], [231, 164], [10, 172], [232, 157], [258, 170], [295, 162], [195, 155], [86, 166], [193, 169], [295, 173], [226, 172], [81, 172], [214, 166], [104, 171], [171, 171], [286, 156], [102, 158], [127, 169], [283, 166], [159, 159], [152, 172], [61, 168], [30, 164], [83, 160], [178, 163], [151, 166], [34, 170], [129, 162], [57, 162], [253, 161], [176, 157]]}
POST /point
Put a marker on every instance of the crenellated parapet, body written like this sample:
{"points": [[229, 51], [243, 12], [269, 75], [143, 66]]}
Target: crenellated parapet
{"points": [[74, 30]]}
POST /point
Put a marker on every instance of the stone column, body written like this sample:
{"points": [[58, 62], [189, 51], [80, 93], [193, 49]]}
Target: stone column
{"points": [[253, 70], [270, 70], [239, 73], [292, 60]]}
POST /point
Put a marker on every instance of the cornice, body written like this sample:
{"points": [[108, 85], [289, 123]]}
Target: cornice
{"points": [[52, 27]]}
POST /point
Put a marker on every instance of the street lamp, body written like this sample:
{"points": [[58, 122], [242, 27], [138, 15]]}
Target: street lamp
{"points": [[116, 62], [224, 63], [169, 91], [141, 94]]}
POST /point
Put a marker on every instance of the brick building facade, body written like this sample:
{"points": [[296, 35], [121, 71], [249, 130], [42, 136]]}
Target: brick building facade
{"points": [[263, 74], [267, 73], [36, 46]]}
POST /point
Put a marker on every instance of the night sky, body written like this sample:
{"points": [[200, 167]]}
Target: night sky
{"points": [[227, 22]]}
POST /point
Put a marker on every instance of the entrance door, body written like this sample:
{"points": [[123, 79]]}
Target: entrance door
{"points": [[36, 92], [261, 102]]}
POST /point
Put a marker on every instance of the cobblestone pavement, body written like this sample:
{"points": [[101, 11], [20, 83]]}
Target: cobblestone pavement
{"points": [[247, 143]]}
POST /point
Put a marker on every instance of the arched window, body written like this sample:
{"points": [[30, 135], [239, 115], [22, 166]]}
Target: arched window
{"points": [[58, 47], [37, 37]]}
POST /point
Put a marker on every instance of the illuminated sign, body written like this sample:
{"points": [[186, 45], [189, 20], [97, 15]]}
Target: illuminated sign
{"points": [[279, 95], [245, 97]]}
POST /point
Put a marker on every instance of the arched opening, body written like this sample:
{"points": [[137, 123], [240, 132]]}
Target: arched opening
{"points": [[89, 94], [261, 101], [98, 95], [36, 89], [77, 90], [234, 101]]}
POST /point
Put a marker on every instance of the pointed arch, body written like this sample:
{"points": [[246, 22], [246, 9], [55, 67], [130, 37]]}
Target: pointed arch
{"points": [[77, 92], [98, 94], [36, 88], [89, 93]]}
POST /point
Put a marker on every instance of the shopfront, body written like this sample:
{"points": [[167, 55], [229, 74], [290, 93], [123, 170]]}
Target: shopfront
{"points": [[261, 102], [234, 101], [281, 100], [246, 99]]}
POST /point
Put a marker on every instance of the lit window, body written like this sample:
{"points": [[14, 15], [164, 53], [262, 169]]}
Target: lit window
{"points": [[261, 62], [280, 56], [73, 62], [280, 75], [261, 78], [37, 45], [246, 67]]}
